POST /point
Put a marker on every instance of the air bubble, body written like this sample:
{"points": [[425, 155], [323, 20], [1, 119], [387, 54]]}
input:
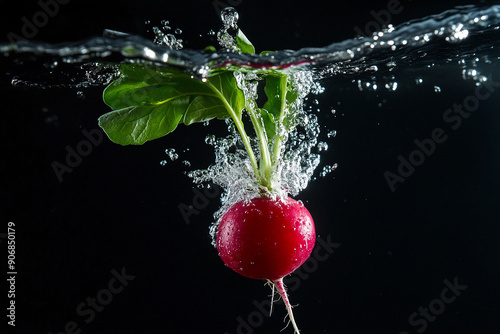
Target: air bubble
{"points": [[170, 152], [322, 146], [391, 86], [331, 134], [210, 140]]}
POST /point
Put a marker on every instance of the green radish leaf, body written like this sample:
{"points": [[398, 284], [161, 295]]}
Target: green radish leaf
{"points": [[149, 103], [141, 85], [269, 124], [228, 92], [274, 92], [289, 119], [279, 96], [264, 53], [204, 108], [291, 96], [136, 125], [243, 44]]}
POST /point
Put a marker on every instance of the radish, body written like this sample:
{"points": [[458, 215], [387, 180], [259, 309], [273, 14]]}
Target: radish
{"points": [[266, 238]]}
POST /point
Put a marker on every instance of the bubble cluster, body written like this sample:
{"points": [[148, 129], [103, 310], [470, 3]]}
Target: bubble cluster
{"points": [[163, 35], [170, 152], [331, 134], [327, 169], [226, 35]]}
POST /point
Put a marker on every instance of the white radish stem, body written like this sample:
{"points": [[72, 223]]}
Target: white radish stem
{"points": [[281, 289]]}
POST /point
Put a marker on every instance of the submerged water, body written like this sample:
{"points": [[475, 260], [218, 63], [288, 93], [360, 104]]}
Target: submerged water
{"points": [[464, 37]]}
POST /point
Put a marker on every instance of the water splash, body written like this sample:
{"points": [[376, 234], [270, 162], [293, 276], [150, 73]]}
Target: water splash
{"points": [[232, 170], [433, 39]]}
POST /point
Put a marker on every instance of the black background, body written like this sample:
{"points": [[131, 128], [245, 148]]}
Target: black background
{"points": [[119, 207]]}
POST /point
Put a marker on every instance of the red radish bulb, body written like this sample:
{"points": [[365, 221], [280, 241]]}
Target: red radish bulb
{"points": [[266, 238]]}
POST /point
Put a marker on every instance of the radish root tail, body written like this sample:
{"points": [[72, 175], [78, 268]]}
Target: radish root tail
{"points": [[269, 282], [281, 289]]}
